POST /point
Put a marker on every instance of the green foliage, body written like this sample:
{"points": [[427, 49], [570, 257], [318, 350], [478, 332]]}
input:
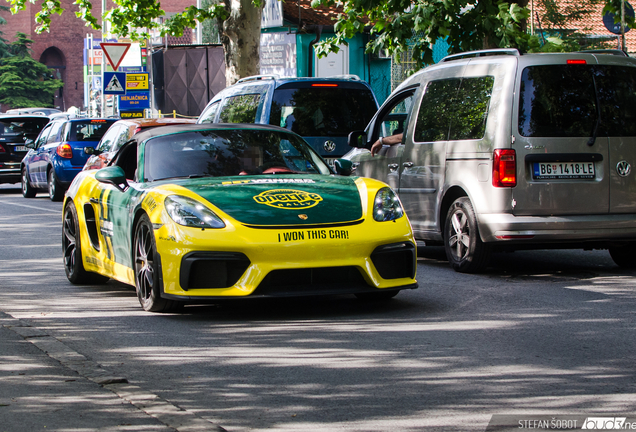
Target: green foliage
{"points": [[465, 25], [25, 82]]}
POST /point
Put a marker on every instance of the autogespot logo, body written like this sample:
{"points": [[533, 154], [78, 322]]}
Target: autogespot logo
{"points": [[290, 199]]}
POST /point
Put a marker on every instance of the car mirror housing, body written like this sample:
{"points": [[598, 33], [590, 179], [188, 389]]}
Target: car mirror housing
{"points": [[112, 175], [357, 139], [344, 167], [29, 143]]}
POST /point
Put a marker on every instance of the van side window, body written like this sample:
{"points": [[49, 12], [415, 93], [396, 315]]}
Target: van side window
{"points": [[454, 109], [470, 109], [240, 109], [433, 119]]}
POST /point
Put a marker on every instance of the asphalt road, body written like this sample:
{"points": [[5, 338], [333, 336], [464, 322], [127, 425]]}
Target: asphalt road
{"points": [[541, 333]]}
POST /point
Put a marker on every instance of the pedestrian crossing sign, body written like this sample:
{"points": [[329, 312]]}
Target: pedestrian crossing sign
{"points": [[114, 83]]}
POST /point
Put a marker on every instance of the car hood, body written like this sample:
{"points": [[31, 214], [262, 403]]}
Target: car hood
{"points": [[282, 200]]}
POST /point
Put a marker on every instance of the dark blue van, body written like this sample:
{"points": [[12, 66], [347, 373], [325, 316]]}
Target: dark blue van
{"points": [[321, 110]]}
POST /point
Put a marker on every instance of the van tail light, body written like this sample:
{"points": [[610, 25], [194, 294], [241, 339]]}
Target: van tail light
{"points": [[504, 168], [65, 150], [2, 150]]}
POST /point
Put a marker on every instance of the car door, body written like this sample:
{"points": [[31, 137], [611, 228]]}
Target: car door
{"points": [[36, 159], [392, 118], [562, 151]]}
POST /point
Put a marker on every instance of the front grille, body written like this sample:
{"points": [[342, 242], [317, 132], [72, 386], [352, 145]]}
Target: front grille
{"points": [[395, 261], [212, 269], [311, 281]]}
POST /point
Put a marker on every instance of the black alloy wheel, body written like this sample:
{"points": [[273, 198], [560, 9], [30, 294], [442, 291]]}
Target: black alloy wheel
{"points": [[148, 270], [72, 250]]}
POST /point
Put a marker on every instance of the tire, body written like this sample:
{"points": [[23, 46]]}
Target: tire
{"points": [[624, 256], [148, 269], [72, 250], [376, 296], [56, 192], [28, 191], [465, 251]]}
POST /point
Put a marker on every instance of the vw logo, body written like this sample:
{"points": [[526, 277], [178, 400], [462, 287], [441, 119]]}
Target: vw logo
{"points": [[329, 146], [623, 168]]}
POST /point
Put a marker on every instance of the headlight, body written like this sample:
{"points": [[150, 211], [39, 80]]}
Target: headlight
{"points": [[190, 213], [386, 206]]}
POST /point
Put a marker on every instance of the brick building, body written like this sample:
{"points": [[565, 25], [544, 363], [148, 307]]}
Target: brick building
{"points": [[62, 48]]}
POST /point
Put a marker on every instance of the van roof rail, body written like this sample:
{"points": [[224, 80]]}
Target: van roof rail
{"points": [[482, 53], [257, 78], [617, 52]]}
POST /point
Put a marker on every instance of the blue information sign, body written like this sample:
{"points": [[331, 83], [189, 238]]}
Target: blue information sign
{"points": [[114, 83], [134, 101]]}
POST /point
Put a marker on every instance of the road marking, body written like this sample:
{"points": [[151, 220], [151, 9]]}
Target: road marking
{"points": [[29, 206]]}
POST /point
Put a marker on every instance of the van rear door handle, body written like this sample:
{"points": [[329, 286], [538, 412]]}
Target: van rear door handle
{"points": [[407, 164], [393, 167]]}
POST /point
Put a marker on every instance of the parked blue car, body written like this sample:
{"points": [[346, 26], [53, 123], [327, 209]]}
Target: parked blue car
{"points": [[57, 155]]}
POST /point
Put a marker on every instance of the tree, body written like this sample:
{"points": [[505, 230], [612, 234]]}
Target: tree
{"points": [[240, 24], [25, 82], [465, 25]]}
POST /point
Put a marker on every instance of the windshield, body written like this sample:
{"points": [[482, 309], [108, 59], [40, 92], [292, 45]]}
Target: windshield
{"points": [[328, 110], [232, 152], [30, 128], [89, 130]]}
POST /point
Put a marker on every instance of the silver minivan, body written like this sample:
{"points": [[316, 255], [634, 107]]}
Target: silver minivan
{"points": [[503, 151]]}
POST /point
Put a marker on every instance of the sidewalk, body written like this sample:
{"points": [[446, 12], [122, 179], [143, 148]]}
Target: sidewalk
{"points": [[45, 386]]}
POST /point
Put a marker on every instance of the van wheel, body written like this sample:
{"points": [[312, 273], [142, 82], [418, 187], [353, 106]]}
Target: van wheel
{"points": [[624, 256], [465, 251]]}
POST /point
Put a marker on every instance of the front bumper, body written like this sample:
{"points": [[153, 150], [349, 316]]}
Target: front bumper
{"points": [[203, 264]]}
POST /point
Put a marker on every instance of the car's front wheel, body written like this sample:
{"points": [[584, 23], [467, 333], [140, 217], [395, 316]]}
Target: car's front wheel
{"points": [[28, 191], [148, 269], [72, 249], [465, 251], [624, 256], [56, 192]]}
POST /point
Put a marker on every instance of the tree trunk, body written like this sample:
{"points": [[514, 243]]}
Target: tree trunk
{"points": [[241, 38]]}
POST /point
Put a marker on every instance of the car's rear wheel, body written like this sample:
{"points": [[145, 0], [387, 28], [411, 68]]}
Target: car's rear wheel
{"points": [[148, 270], [72, 249], [465, 251], [56, 192], [380, 295], [27, 190], [624, 256]]}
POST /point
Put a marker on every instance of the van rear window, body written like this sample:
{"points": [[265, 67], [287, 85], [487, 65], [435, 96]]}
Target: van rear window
{"points": [[561, 101], [322, 111]]}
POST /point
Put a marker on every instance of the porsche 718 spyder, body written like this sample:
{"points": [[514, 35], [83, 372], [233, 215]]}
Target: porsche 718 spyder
{"points": [[194, 213]]}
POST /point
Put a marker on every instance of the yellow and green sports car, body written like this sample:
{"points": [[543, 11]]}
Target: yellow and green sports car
{"points": [[194, 213]]}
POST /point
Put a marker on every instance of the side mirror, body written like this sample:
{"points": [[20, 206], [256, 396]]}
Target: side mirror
{"points": [[344, 167], [29, 143], [113, 175], [357, 139]]}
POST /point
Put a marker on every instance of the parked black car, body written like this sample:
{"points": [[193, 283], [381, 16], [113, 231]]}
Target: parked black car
{"points": [[14, 131]]}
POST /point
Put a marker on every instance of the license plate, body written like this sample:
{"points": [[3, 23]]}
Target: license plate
{"points": [[563, 170], [19, 148]]}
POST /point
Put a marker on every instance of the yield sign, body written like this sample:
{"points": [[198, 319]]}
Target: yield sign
{"points": [[115, 52]]}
